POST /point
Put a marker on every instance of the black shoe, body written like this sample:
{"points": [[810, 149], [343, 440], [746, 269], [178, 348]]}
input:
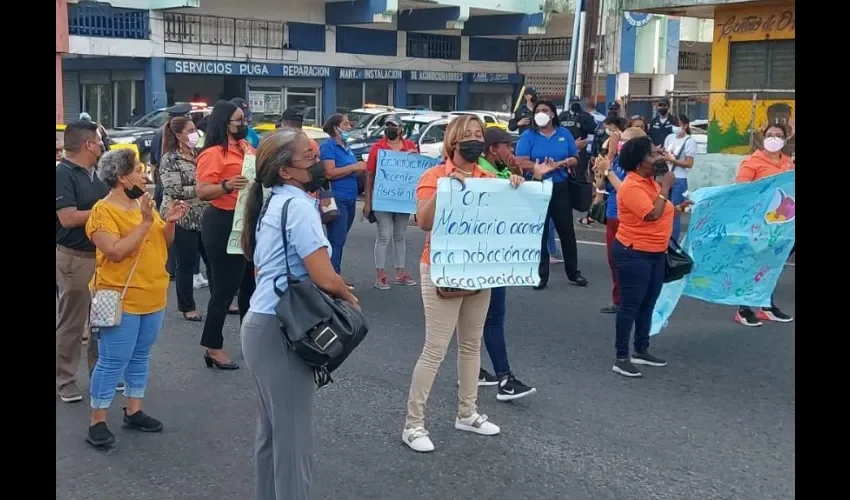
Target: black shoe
{"points": [[747, 317], [577, 279], [142, 422], [210, 362], [645, 358], [774, 314], [511, 388], [486, 378], [100, 436], [625, 368], [120, 386], [544, 280], [609, 309], [197, 318]]}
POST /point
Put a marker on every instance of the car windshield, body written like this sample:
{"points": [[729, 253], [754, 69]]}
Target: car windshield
{"points": [[154, 119], [358, 119], [412, 131]]}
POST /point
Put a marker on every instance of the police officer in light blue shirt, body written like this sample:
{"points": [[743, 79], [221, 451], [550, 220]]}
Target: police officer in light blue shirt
{"points": [[547, 140], [288, 167]]}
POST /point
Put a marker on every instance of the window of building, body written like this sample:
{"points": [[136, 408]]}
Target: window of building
{"points": [[767, 64], [429, 46]]}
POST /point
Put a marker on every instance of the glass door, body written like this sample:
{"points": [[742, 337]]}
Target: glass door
{"points": [[307, 101]]}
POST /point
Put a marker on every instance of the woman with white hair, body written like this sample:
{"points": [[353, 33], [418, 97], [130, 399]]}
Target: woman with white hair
{"points": [[132, 246]]}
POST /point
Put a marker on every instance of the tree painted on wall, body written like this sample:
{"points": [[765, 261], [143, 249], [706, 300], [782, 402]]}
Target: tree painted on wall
{"points": [[719, 141]]}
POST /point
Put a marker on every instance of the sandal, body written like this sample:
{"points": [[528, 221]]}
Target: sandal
{"points": [[585, 221], [197, 318]]}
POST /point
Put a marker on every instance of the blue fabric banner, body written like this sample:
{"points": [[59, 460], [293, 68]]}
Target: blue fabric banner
{"points": [[740, 237], [396, 177]]}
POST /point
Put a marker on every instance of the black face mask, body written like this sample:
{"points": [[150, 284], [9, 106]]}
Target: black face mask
{"points": [[663, 111], [575, 108], [391, 133], [500, 165], [470, 150], [134, 193], [241, 132], [318, 176]]}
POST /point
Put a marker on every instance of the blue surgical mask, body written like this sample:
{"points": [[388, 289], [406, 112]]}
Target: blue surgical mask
{"points": [[343, 134]]}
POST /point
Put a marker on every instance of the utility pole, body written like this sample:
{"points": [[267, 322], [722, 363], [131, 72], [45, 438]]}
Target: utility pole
{"points": [[592, 16], [576, 42]]}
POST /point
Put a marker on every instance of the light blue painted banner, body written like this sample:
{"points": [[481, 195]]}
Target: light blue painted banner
{"points": [[740, 237], [396, 177], [487, 234]]}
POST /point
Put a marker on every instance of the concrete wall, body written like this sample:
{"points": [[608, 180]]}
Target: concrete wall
{"points": [[61, 48]]}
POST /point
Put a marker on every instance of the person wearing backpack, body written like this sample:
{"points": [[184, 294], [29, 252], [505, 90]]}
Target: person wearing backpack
{"points": [[289, 168], [679, 151]]}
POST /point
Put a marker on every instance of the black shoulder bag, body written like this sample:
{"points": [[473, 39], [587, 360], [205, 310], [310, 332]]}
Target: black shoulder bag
{"points": [[321, 329], [677, 264]]}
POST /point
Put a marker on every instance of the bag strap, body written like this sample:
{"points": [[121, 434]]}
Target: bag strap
{"points": [[290, 279], [129, 277]]}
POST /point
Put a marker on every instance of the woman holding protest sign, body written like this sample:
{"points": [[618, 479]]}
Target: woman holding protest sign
{"points": [[391, 226], [219, 179], [449, 308], [768, 160], [548, 140]]}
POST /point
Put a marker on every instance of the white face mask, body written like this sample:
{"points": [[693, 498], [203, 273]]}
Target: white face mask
{"points": [[774, 144], [677, 130], [542, 119], [193, 139]]}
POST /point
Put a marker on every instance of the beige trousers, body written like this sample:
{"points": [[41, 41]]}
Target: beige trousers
{"points": [[74, 270], [467, 314]]}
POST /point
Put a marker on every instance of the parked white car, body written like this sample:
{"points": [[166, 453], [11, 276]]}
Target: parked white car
{"points": [[700, 135], [425, 129], [369, 118]]}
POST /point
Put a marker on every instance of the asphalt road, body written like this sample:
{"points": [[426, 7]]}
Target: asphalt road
{"points": [[717, 423]]}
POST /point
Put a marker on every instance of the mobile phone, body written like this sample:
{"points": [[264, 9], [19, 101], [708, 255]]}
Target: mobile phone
{"points": [[372, 219]]}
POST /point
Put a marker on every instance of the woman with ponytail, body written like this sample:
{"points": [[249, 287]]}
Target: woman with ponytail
{"points": [[286, 165], [177, 174]]}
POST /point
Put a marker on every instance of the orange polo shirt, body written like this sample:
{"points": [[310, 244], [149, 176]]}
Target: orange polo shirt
{"points": [[428, 186], [635, 200], [759, 166], [213, 165]]}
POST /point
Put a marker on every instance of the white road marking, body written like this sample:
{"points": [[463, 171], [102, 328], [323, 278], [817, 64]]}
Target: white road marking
{"points": [[602, 244]]}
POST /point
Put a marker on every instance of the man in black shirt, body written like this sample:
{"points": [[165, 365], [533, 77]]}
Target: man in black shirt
{"points": [[581, 124], [661, 124], [77, 190]]}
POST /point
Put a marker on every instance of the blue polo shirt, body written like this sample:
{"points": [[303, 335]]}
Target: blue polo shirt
{"points": [[536, 146], [611, 206], [344, 188]]}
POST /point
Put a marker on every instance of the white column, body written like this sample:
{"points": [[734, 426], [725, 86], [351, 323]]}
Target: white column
{"points": [[661, 84], [622, 84]]}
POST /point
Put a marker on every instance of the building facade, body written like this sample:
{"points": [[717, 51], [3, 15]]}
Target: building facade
{"points": [[753, 65], [321, 56]]}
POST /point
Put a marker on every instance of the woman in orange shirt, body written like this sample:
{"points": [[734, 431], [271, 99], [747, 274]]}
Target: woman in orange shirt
{"points": [[645, 218], [766, 161], [219, 179], [132, 243], [464, 143]]}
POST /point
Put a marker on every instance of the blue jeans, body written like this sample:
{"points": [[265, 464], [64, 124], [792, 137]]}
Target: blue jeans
{"points": [[677, 196], [124, 350], [641, 276], [550, 241], [338, 230], [494, 332]]}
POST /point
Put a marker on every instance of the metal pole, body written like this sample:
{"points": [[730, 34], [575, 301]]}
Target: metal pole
{"points": [[576, 42]]}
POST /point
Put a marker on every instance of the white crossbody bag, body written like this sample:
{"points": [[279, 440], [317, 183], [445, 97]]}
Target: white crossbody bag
{"points": [[107, 306]]}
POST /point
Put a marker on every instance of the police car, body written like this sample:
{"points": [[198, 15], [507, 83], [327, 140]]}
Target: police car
{"points": [[369, 118], [141, 131]]}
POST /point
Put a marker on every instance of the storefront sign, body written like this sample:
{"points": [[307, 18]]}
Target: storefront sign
{"points": [[434, 76], [773, 23], [637, 19], [370, 74], [495, 78], [194, 67]]}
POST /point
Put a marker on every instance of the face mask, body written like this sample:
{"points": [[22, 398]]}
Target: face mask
{"points": [[134, 192], [241, 132], [774, 144], [193, 139], [343, 134], [318, 176], [542, 119], [677, 130], [663, 111], [470, 150], [391, 133]]}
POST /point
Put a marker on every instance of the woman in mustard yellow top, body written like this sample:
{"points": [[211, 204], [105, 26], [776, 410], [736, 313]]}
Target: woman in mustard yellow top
{"points": [[132, 247]]}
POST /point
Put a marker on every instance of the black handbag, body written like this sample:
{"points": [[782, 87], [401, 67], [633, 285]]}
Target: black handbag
{"points": [[597, 211], [321, 329], [581, 194], [677, 264]]}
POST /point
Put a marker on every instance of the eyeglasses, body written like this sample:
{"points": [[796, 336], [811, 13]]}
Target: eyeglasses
{"points": [[239, 122]]}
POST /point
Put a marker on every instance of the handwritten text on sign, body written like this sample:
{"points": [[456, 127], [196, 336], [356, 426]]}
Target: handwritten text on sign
{"points": [[249, 171], [396, 177], [487, 234]]}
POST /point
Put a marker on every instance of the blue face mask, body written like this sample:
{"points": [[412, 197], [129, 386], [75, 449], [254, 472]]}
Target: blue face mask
{"points": [[343, 134]]}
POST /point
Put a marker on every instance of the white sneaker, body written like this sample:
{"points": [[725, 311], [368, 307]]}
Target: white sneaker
{"points": [[417, 439], [198, 281], [478, 424]]}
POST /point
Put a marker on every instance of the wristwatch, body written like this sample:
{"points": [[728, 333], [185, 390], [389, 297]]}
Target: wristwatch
{"points": [[224, 186]]}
